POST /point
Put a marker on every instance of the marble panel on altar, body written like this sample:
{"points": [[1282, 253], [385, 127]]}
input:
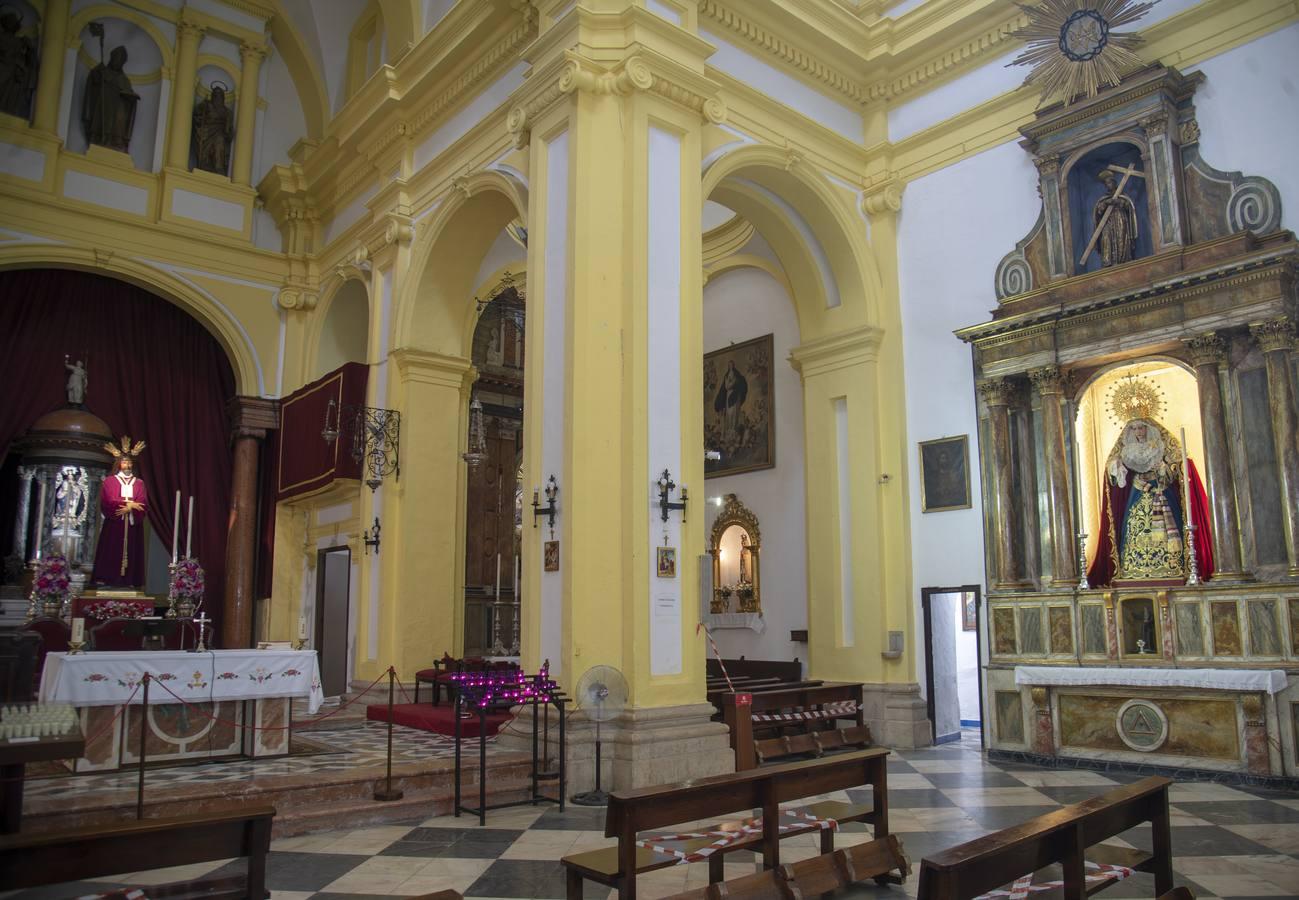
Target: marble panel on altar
{"points": [[1093, 618], [1264, 638]]}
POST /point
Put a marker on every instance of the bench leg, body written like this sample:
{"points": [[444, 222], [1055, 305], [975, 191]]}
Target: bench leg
{"points": [[716, 871], [573, 881], [827, 840]]}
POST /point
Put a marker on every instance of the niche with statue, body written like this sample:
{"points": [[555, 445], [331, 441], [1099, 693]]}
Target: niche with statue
{"points": [[736, 546]]}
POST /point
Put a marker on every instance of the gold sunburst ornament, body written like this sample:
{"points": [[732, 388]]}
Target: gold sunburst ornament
{"points": [[1073, 48], [1135, 398]]}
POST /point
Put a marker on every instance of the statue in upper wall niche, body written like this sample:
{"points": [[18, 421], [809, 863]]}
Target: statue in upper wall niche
{"points": [[17, 66], [108, 107], [1115, 218], [213, 131]]}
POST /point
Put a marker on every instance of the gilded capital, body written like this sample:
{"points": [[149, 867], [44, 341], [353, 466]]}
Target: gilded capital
{"points": [[996, 391], [1047, 380], [1206, 349], [1047, 166], [1274, 334], [250, 52], [1155, 124], [189, 31]]}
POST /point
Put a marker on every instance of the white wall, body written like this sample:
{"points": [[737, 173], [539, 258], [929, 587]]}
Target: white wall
{"points": [[739, 305]]}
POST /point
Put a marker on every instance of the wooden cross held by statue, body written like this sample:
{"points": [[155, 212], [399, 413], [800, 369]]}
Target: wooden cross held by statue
{"points": [[1127, 172]]}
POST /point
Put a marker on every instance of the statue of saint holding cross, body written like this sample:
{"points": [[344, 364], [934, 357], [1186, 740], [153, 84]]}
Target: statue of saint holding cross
{"points": [[1115, 218]]}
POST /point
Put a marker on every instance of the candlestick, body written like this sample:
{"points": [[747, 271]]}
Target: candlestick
{"points": [[302, 628], [175, 530], [40, 520], [189, 526], [1186, 496], [498, 577]]}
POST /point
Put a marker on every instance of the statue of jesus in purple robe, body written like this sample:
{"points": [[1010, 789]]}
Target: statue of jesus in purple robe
{"points": [[124, 501]]}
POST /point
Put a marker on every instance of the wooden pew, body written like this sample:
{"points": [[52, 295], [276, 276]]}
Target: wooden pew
{"points": [[1068, 836], [631, 812], [746, 712], [755, 668], [813, 743], [31, 860], [812, 877]]}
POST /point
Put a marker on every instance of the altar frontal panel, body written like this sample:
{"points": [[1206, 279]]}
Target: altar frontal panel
{"points": [[1199, 728]]}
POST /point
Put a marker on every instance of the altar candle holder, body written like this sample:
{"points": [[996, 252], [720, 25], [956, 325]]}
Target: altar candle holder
{"points": [[1083, 584], [1193, 575]]}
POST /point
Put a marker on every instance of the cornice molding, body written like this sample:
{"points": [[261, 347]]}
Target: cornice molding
{"points": [[854, 346]]}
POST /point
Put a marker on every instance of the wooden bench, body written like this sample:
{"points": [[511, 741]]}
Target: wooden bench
{"points": [[1070, 837], [32, 860], [815, 876], [631, 812], [813, 743], [804, 707], [783, 670]]}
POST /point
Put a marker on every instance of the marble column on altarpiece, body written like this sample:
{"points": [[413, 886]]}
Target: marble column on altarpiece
{"points": [[1048, 381], [250, 419], [1276, 338], [996, 394], [1207, 352]]}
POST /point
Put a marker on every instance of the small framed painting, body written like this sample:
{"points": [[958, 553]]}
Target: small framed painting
{"points": [[551, 556], [969, 614], [667, 562], [945, 474]]}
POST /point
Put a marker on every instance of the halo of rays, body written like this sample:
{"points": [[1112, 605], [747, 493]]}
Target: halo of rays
{"points": [[1057, 70]]}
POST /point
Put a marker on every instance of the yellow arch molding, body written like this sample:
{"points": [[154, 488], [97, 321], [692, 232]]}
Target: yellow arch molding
{"points": [[329, 290], [302, 69], [835, 226], [401, 23], [751, 261], [237, 346], [449, 248]]}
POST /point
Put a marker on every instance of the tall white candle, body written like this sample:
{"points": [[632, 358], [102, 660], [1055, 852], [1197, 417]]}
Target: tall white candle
{"points": [[498, 576], [40, 519], [1186, 485], [189, 525], [302, 628], [175, 530], [78, 630]]}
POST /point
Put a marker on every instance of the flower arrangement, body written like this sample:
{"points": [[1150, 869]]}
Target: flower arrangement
{"points": [[117, 609], [51, 586], [187, 584]]}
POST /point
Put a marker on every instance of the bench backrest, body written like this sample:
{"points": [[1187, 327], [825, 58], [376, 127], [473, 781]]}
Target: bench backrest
{"points": [[989, 862], [30, 860], [671, 804]]}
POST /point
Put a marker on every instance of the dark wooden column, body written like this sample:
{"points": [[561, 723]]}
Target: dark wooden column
{"points": [[1276, 338], [1208, 352], [250, 419], [996, 393], [1049, 384]]}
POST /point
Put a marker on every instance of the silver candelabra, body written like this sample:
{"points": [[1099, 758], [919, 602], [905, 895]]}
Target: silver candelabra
{"points": [[1083, 584]]}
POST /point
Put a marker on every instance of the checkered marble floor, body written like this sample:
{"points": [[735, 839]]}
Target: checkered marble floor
{"points": [[1227, 842], [358, 745]]}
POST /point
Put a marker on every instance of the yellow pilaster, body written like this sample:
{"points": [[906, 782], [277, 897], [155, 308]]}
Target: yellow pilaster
{"points": [[49, 82], [188, 35], [251, 56]]}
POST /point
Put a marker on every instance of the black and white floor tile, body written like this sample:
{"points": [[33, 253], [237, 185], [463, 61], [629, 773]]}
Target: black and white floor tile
{"points": [[1228, 842]]}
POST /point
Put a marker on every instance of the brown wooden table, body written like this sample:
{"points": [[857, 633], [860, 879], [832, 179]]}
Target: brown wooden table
{"points": [[14, 757]]}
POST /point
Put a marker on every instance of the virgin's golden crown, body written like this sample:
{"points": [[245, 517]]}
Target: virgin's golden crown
{"points": [[1135, 398]]}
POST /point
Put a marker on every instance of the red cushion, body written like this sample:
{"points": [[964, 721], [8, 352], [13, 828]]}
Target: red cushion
{"points": [[426, 674]]}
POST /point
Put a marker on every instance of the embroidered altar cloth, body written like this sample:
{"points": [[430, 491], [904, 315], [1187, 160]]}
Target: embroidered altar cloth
{"points": [[1271, 680], [109, 678]]}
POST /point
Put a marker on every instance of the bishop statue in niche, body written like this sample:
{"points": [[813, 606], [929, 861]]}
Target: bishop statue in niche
{"points": [[108, 107]]}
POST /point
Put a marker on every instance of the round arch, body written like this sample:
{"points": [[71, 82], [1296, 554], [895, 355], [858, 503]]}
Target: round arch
{"points": [[250, 379], [819, 240], [431, 308], [338, 290]]}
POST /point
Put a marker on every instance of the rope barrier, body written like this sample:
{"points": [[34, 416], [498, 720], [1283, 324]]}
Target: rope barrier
{"points": [[717, 653]]}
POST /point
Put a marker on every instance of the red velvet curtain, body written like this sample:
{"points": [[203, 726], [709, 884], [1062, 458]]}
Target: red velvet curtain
{"points": [[154, 373]]}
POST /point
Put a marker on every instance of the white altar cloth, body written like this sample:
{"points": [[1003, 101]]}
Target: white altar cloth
{"points": [[109, 678], [1271, 680]]}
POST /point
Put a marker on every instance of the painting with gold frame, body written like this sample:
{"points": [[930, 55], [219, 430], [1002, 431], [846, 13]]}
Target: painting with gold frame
{"points": [[739, 407], [945, 474]]}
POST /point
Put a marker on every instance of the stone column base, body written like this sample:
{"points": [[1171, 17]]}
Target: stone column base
{"points": [[897, 715], [640, 747]]}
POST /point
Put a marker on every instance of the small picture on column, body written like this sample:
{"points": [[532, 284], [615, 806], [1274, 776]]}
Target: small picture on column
{"points": [[551, 556], [667, 559]]}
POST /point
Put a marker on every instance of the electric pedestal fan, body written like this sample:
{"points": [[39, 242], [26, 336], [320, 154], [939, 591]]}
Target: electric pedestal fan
{"points": [[601, 694]]}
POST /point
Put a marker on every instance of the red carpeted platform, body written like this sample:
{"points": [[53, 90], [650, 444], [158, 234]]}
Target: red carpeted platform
{"points": [[434, 718]]}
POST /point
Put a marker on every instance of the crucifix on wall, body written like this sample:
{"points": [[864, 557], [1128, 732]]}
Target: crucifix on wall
{"points": [[1116, 220]]}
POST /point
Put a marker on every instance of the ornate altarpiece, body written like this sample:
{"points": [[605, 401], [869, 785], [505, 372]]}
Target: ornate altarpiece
{"points": [[1210, 287]]}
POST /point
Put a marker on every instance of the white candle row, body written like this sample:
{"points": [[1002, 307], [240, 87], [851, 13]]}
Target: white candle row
{"points": [[175, 529]]}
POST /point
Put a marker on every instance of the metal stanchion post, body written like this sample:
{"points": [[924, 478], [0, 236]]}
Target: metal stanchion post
{"points": [[144, 731], [388, 792]]}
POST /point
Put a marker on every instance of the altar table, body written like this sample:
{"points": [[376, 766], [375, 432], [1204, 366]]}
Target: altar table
{"points": [[236, 702]]}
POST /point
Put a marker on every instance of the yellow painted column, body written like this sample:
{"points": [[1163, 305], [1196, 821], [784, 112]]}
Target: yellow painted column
{"points": [[49, 81], [251, 56], [188, 35]]}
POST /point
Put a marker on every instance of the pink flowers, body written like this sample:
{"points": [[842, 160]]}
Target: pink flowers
{"points": [[117, 609], [51, 583], [187, 581]]}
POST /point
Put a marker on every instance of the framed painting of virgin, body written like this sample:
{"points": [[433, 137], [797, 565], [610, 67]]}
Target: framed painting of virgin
{"points": [[739, 404]]}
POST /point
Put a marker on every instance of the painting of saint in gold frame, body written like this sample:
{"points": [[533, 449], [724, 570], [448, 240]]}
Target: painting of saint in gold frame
{"points": [[739, 408], [945, 474]]}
